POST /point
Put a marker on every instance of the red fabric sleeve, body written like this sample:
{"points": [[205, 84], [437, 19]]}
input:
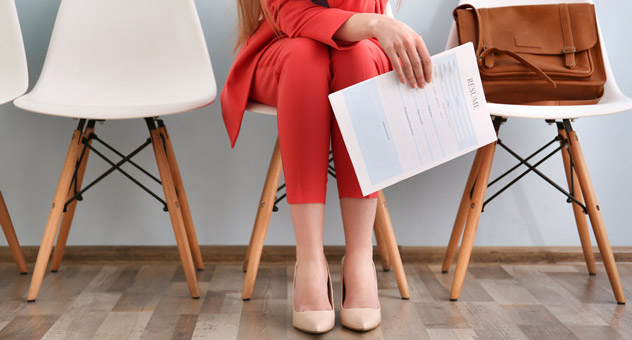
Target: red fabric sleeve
{"points": [[302, 18]]}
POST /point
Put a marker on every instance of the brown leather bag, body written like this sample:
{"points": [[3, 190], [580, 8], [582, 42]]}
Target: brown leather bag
{"points": [[541, 55]]}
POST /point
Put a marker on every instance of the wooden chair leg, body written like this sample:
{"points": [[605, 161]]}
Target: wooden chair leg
{"points": [[473, 216], [594, 212], [245, 265], [262, 221], [182, 198], [173, 204], [383, 219], [580, 218], [68, 216], [12, 239], [461, 216], [381, 246], [54, 215]]}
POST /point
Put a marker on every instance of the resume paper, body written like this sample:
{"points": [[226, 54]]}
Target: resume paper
{"points": [[393, 131]]}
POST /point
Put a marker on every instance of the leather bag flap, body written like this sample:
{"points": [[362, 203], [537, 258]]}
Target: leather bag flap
{"points": [[531, 29]]}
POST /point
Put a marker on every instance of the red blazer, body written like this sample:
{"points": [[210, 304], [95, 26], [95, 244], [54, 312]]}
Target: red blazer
{"points": [[314, 19]]}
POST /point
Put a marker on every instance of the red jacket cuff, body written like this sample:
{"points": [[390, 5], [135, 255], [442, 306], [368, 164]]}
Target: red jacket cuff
{"points": [[304, 19]]}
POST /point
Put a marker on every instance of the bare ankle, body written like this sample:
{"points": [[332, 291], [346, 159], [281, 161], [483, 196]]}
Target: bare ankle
{"points": [[359, 256], [310, 257]]}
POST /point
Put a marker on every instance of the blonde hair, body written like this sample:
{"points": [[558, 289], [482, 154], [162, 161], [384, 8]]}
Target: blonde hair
{"points": [[249, 13]]}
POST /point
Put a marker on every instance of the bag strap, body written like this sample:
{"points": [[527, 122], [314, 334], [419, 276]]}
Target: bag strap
{"points": [[482, 50], [520, 59], [567, 32]]}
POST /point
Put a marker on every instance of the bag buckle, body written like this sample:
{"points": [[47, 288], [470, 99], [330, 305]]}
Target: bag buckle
{"points": [[480, 56], [568, 50]]}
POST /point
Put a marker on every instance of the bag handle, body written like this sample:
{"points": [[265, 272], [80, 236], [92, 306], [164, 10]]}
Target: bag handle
{"points": [[482, 51], [479, 24]]}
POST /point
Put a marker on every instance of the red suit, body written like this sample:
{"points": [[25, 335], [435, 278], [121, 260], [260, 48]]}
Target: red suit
{"points": [[295, 74]]}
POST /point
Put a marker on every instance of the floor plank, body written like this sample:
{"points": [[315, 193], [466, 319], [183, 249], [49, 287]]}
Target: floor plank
{"points": [[28, 326], [151, 302]]}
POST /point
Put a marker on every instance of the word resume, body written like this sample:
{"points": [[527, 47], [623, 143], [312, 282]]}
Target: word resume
{"points": [[393, 132]]}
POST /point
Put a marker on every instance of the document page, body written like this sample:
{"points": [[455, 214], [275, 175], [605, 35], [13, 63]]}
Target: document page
{"points": [[393, 131]]}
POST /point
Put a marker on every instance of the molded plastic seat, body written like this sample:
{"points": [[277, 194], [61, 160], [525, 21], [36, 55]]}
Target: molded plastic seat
{"points": [[613, 100], [14, 81], [256, 107], [14, 77], [121, 59]]}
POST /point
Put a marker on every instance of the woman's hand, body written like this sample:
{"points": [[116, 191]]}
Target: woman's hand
{"points": [[398, 41]]}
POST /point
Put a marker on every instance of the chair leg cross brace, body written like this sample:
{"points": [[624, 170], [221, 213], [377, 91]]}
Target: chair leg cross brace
{"points": [[569, 195], [115, 166], [129, 160], [579, 183], [68, 190], [557, 138]]}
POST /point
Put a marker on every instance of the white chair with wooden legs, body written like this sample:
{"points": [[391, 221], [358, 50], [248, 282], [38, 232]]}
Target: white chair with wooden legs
{"points": [[106, 62], [578, 179], [384, 235], [14, 80]]}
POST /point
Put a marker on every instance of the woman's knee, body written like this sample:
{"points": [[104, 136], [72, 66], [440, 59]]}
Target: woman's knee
{"points": [[306, 56], [352, 65]]}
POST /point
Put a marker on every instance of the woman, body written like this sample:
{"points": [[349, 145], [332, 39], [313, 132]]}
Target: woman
{"points": [[293, 54]]}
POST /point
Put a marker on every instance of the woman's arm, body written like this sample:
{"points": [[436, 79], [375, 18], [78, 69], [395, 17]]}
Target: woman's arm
{"points": [[398, 41], [303, 18]]}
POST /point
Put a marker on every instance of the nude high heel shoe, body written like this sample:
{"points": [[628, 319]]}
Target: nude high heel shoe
{"points": [[315, 321], [358, 319]]}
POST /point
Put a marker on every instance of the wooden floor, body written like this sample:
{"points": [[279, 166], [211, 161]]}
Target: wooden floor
{"points": [[151, 301]]}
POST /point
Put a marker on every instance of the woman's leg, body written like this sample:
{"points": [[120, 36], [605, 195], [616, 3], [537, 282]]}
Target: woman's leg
{"points": [[294, 75], [349, 66]]}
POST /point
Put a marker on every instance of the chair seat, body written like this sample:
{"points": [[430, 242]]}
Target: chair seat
{"points": [[118, 59], [14, 86], [608, 105], [7, 97], [31, 102], [256, 107]]}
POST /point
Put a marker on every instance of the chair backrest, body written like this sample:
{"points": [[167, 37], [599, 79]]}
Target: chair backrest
{"points": [[126, 53], [611, 89], [13, 69]]}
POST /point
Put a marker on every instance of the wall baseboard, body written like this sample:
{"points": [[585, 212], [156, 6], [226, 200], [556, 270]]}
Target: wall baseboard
{"points": [[276, 254]]}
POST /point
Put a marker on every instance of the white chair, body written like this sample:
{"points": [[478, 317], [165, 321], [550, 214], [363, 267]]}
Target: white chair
{"points": [[384, 235], [14, 80], [578, 179], [105, 61]]}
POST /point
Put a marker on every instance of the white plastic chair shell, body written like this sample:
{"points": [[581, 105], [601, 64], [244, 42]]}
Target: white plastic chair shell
{"points": [[122, 59], [613, 100], [14, 77], [256, 107]]}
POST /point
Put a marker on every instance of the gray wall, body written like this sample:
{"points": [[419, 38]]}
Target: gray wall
{"points": [[224, 185]]}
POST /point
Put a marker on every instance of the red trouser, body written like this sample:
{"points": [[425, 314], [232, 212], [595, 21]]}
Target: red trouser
{"points": [[296, 75]]}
